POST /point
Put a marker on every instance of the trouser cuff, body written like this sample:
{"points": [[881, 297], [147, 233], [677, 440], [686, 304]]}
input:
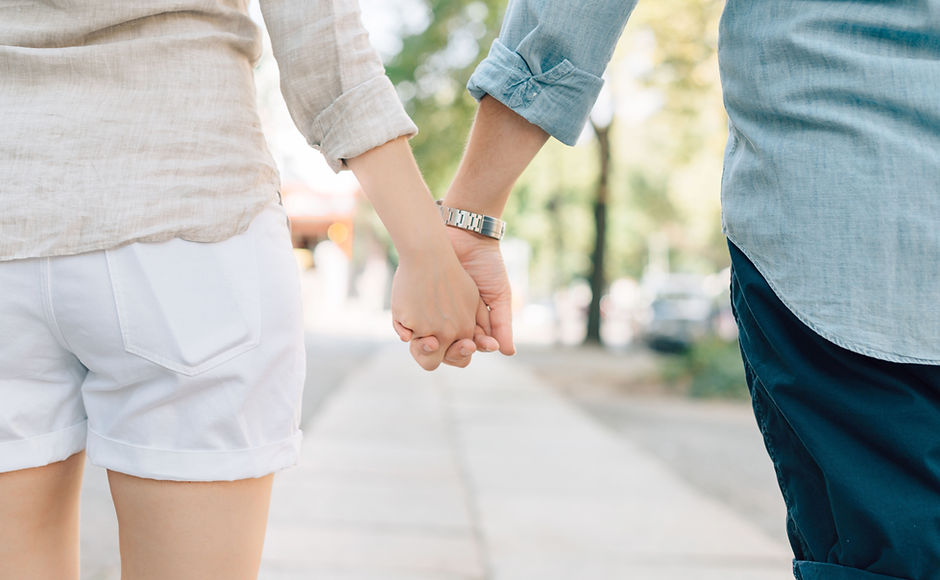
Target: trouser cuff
{"points": [[818, 571]]}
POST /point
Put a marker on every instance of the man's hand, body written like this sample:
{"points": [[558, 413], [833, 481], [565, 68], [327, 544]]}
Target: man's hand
{"points": [[482, 260]]}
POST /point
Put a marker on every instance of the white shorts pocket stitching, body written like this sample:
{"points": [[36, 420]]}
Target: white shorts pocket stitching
{"points": [[186, 306]]}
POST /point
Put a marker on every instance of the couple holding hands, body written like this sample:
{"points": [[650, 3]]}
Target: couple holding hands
{"points": [[150, 317], [150, 314]]}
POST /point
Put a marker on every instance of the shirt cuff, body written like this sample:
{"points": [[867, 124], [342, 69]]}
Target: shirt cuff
{"points": [[361, 119], [558, 100]]}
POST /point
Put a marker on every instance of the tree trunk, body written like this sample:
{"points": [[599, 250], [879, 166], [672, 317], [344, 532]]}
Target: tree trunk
{"points": [[598, 281], [558, 251]]}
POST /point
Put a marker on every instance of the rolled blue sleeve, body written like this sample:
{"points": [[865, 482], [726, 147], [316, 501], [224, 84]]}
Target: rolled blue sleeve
{"points": [[547, 63]]}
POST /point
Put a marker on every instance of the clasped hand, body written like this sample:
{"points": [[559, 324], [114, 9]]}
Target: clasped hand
{"points": [[450, 302]]}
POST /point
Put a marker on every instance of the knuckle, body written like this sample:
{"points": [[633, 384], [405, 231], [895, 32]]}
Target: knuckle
{"points": [[449, 331]]}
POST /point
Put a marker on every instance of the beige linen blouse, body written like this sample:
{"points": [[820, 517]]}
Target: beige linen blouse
{"points": [[126, 121]]}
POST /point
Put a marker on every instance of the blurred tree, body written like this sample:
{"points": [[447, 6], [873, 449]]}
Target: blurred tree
{"points": [[683, 72], [598, 278], [430, 72], [684, 138]]}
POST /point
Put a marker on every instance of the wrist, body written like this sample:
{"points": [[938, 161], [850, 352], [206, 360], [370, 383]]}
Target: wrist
{"points": [[466, 244], [425, 241], [478, 223], [466, 198]]}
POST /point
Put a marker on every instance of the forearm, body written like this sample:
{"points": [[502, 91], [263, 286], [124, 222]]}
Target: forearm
{"points": [[433, 298], [391, 180], [501, 145]]}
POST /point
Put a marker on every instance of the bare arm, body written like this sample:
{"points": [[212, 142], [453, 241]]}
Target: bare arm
{"points": [[432, 296], [344, 104], [500, 147], [541, 77]]}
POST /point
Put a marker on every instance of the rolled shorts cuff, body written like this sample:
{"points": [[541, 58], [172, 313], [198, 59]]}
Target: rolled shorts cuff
{"points": [[43, 449], [211, 465], [818, 571]]}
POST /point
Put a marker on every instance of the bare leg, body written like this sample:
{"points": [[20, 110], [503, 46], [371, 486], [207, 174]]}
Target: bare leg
{"points": [[190, 531], [39, 520]]}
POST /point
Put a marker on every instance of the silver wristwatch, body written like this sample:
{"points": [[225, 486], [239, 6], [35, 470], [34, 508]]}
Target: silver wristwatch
{"points": [[474, 222]]}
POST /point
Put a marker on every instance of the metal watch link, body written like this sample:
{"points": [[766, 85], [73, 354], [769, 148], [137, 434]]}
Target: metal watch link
{"points": [[474, 222]]}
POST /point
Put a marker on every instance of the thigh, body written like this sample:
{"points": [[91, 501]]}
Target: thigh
{"points": [[853, 440], [190, 531], [39, 521]]}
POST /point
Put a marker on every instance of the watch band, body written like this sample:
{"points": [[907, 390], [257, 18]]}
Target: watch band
{"points": [[474, 222]]}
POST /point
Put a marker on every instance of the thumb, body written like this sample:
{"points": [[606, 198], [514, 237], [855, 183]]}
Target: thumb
{"points": [[501, 323]]}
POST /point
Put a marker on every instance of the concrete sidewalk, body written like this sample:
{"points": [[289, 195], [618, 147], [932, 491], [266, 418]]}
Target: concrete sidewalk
{"points": [[484, 473]]}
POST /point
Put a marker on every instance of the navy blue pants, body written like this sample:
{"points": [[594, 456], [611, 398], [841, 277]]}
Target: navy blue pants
{"points": [[855, 442]]}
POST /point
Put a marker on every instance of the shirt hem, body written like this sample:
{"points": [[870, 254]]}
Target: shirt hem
{"points": [[208, 234], [819, 329]]}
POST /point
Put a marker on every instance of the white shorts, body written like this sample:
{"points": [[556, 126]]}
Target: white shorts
{"points": [[178, 360]]}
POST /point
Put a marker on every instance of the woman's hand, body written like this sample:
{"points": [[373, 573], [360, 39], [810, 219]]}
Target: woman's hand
{"points": [[436, 306]]}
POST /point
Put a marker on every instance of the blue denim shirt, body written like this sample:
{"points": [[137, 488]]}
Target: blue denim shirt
{"points": [[832, 170]]}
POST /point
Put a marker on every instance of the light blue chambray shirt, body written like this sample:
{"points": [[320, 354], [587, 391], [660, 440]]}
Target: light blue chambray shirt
{"points": [[832, 170]]}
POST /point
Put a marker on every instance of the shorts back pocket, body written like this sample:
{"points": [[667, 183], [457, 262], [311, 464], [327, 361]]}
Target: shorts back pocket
{"points": [[187, 306]]}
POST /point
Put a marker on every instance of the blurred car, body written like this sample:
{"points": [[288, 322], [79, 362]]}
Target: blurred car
{"points": [[681, 313]]}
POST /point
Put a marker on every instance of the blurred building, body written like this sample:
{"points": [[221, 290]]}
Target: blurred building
{"points": [[319, 215]]}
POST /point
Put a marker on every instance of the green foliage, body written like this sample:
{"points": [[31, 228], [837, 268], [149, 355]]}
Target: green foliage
{"points": [[666, 163], [670, 184], [430, 73], [685, 70], [710, 369], [550, 208]]}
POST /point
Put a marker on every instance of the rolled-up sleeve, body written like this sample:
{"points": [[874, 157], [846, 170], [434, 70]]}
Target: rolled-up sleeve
{"points": [[332, 79], [547, 63]]}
